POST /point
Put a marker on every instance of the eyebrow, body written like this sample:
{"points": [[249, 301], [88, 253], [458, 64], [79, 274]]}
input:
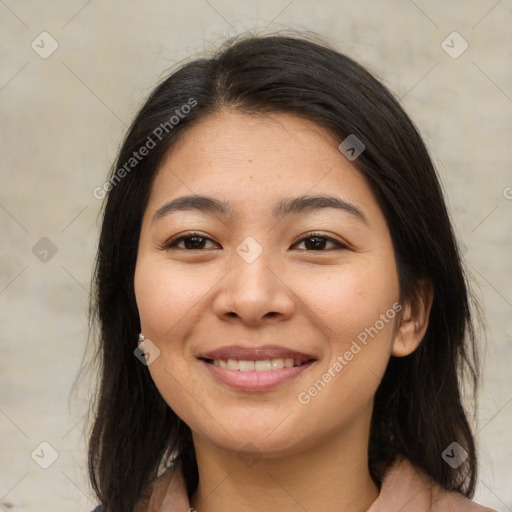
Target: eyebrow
{"points": [[285, 207]]}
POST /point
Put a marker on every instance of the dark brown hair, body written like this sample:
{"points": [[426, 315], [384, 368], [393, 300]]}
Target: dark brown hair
{"points": [[418, 410]]}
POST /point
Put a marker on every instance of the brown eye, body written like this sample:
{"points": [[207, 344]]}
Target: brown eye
{"points": [[318, 242], [192, 241]]}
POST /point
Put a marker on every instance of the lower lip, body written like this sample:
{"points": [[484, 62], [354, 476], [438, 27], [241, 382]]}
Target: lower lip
{"points": [[253, 380]]}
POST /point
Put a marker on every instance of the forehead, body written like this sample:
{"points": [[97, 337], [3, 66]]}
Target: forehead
{"points": [[251, 160], [236, 136]]}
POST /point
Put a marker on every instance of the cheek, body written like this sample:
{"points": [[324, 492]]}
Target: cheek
{"points": [[166, 298], [166, 294], [351, 299], [358, 312]]}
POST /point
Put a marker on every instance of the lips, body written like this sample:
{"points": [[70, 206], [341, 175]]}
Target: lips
{"points": [[240, 353], [260, 368]]}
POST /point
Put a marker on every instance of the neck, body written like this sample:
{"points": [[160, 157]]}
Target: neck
{"points": [[332, 476]]}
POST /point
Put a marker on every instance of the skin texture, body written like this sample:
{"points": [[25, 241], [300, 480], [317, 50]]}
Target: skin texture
{"points": [[266, 450]]}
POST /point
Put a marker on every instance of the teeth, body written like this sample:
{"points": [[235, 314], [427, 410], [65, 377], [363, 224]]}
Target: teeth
{"points": [[263, 365], [277, 364], [245, 366], [232, 365]]}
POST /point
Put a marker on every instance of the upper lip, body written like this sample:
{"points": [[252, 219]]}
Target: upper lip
{"points": [[258, 353]]}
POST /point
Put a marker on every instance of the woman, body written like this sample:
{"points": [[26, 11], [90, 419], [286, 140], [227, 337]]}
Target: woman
{"points": [[283, 313]]}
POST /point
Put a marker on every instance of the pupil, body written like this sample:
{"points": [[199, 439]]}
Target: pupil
{"points": [[194, 241], [319, 241]]}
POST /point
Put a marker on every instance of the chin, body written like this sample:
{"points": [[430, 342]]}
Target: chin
{"points": [[257, 442]]}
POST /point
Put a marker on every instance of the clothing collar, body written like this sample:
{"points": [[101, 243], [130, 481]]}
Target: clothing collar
{"points": [[405, 487]]}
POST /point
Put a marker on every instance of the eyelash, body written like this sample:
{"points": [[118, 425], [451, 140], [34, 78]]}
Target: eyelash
{"points": [[174, 241]]}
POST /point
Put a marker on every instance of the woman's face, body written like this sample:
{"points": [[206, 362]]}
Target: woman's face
{"points": [[273, 313]]}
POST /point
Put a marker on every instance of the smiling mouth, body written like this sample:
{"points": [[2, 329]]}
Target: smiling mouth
{"points": [[255, 368], [256, 375], [260, 365]]}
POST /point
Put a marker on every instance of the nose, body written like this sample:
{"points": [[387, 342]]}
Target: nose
{"points": [[254, 293]]}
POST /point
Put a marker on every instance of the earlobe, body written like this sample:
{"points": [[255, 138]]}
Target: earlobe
{"points": [[413, 322]]}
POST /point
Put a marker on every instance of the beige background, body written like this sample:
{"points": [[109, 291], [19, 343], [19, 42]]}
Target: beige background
{"points": [[64, 116]]}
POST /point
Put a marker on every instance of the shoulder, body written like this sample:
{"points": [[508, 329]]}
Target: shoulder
{"points": [[167, 492], [408, 489]]}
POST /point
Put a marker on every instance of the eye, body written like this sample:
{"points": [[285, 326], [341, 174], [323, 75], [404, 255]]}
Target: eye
{"points": [[191, 241], [196, 241], [317, 242]]}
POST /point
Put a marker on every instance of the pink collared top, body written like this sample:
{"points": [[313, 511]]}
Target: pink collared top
{"points": [[405, 488]]}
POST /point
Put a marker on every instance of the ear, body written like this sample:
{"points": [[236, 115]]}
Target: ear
{"points": [[413, 321]]}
